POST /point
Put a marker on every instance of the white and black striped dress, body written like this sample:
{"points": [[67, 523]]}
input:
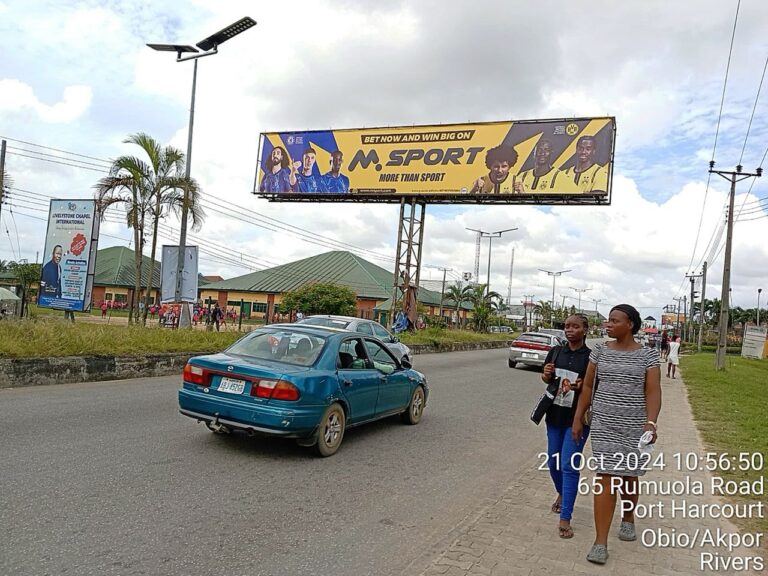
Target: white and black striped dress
{"points": [[618, 411]]}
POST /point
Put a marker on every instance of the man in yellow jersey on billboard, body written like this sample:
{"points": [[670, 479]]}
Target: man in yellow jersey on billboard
{"points": [[543, 176], [498, 160], [585, 175]]}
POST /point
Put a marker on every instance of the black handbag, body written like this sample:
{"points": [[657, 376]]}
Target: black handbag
{"points": [[548, 397]]}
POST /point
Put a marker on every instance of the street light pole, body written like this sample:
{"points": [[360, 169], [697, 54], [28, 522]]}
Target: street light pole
{"points": [[490, 236], [554, 278], [209, 46], [580, 291], [759, 290]]}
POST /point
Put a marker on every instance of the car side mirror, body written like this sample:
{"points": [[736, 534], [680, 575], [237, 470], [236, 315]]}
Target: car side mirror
{"points": [[395, 339], [406, 364]]}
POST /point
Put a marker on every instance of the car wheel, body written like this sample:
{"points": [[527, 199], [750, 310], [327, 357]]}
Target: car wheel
{"points": [[331, 431], [511, 363], [415, 407]]}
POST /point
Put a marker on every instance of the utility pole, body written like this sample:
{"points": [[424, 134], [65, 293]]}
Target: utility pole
{"points": [[2, 173], [677, 329], [528, 323], [580, 291], [691, 331], [597, 314], [511, 268], [734, 177], [442, 291], [703, 291], [554, 277]]}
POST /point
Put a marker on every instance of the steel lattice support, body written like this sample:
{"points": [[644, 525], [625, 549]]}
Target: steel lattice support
{"points": [[410, 238]]}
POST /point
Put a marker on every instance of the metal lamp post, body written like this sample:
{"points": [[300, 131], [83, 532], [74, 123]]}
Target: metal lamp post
{"points": [[209, 47], [554, 278], [490, 236], [759, 290]]}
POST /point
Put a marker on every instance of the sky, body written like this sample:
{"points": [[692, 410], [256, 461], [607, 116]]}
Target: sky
{"points": [[77, 78]]}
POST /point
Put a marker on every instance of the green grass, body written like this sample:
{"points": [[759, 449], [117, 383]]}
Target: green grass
{"points": [[50, 336], [731, 410], [435, 336]]}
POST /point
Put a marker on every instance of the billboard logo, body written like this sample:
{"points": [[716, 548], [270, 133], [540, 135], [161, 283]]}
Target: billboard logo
{"points": [[290, 140], [72, 206], [364, 160], [572, 129]]}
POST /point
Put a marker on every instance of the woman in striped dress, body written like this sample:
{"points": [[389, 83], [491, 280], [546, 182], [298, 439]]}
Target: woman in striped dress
{"points": [[626, 403]]}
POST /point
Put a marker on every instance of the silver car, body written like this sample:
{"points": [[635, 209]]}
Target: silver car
{"points": [[531, 348], [363, 326]]}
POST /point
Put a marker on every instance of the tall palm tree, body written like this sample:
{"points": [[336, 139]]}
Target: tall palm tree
{"points": [[161, 184], [457, 294], [124, 186], [483, 304]]}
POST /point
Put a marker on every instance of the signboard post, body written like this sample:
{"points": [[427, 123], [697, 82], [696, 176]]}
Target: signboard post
{"points": [[170, 257], [71, 241], [565, 161], [753, 345]]}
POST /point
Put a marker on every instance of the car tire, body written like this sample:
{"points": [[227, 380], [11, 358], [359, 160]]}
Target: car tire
{"points": [[511, 363], [330, 432], [416, 406]]}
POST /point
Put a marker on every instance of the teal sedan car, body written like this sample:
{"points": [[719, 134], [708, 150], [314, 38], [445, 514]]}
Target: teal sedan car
{"points": [[299, 381]]}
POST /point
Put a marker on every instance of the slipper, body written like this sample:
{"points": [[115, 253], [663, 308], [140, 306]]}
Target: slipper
{"points": [[556, 507], [565, 532], [598, 554]]}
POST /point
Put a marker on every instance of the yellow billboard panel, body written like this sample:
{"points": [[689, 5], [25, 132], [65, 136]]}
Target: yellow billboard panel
{"points": [[536, 161]]}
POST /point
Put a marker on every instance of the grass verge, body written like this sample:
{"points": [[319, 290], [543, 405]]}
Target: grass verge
{"points": [[730, 409], [44, 337]]}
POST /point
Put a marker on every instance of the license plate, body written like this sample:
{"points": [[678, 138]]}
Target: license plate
{"points": [[529, 355], [231, 385]]}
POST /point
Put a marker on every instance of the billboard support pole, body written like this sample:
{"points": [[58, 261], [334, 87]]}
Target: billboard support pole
{"points": [[410, 238]]}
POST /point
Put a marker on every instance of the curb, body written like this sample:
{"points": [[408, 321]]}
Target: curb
{"points": [[18, 372]]}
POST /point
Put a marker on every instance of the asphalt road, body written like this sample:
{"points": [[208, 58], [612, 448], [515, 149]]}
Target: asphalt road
{"points": [[108, 478]]}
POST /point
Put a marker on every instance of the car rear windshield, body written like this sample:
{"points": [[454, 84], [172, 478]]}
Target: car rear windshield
{"points": [[291, 347], [329, 322], [538, 338]]}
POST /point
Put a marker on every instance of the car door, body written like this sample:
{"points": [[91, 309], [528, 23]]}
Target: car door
{"points": [[394, 386], [358, 379]]}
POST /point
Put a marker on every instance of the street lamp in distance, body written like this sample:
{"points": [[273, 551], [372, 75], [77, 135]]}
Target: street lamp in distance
{"points": [[759, 290], [209, 46], [554, 278], [490, 236]]}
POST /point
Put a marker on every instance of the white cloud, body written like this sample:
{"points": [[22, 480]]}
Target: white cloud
{"points": [[16, 96]]}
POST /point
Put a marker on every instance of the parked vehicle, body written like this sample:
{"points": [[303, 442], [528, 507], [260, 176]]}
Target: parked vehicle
{"points": [[367, 327], [531, 348], [554, 331], [305, 382]]}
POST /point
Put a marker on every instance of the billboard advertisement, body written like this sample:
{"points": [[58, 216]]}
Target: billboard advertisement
{"points": [[521, 162], [66, 281], [170, 260]]}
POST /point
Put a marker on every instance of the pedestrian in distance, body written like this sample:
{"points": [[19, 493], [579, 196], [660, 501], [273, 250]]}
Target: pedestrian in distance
{"points": [[103, 309], [664, 346], [626, 379], [673, 357], [568, 364], [217, 316]]}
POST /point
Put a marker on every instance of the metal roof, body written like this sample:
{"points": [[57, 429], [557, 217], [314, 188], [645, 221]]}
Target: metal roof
{"points": [[115, 267]]}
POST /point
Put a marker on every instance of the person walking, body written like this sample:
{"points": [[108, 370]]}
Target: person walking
{"points": [[567, 363], [626, 379], [217, 316], [673, 357], [664, 346]]}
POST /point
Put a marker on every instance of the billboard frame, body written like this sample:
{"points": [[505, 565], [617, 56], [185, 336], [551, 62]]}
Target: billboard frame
{"points": [[448, 198]]}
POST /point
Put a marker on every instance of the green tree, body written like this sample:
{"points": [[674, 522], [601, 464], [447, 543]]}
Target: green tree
{"points": [[544, 310], [484, 306], [156, 187], [26, 275], [457, 294], [320, 298]]}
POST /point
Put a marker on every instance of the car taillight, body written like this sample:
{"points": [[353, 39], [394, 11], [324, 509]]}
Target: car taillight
{"points": [[274, 389], [195, 375]]}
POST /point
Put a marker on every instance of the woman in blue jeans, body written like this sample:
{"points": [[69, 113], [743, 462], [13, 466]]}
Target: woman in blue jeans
{"points": [[568, 363]]}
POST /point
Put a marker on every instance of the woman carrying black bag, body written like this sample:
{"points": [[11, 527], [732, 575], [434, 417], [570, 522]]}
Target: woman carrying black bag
{"points": [[569, 367]]}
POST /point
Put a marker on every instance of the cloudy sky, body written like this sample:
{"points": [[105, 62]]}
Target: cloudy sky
{"points": [[76, 78]]}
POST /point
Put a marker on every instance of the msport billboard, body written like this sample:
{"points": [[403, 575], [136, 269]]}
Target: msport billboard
{"points": [[565, 161], [66, 281]]}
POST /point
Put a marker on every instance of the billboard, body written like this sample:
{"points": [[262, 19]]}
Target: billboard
{"points": [[170, 260], [567, 161], [66, 281]]}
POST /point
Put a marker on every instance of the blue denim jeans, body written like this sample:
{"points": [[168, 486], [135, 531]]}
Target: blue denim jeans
{"points": [[564, 454]]}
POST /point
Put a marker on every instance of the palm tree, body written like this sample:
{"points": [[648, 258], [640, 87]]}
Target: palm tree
{"points": [[457, 294], [544, 310], [161, 183], [124, 186], [483, 304]]}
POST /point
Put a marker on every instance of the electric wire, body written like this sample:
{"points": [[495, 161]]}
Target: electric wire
{"points": [[757, 98]]}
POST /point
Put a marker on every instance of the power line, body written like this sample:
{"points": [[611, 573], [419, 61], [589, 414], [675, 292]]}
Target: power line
{"points": [[59, 162], [749, 127], [54, 149]]}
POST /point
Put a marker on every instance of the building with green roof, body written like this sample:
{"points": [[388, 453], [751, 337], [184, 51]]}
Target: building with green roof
{"points": [[262, 291]]}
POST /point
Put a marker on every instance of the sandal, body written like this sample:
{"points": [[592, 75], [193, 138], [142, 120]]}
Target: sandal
{"points": [[565, 532], [627, 531], [598, 554], [556, 507]]}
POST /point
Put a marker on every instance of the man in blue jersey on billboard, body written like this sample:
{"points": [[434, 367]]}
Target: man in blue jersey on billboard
{"points": [[307, 181], [279, 174], [334, 182]]}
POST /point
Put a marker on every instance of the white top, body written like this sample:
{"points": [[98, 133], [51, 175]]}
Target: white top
{"points": [[674, 348]]}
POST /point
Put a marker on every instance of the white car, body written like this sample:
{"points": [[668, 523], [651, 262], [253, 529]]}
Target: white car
{"points": [[363, 326], [531, 348]]}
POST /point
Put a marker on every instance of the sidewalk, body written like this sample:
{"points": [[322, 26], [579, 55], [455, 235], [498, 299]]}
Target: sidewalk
{"points": [[516, 534]]}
